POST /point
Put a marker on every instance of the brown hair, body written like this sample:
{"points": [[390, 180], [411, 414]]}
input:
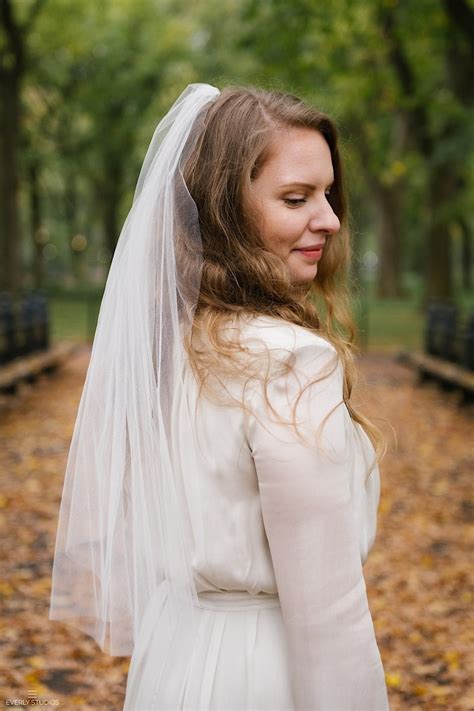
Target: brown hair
{"points": [[240, 275]]}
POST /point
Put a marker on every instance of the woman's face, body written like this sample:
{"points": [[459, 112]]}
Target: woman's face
{"points": [[291, 192]]}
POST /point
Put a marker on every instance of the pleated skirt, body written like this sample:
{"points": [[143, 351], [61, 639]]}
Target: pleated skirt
{"points": [[239, 661]]}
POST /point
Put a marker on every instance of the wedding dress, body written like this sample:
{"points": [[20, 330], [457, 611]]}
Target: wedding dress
{"points": [[279, 534]]}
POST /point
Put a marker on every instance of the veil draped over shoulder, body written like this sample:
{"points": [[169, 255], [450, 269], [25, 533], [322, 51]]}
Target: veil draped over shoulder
{"points": [[120, 539]]}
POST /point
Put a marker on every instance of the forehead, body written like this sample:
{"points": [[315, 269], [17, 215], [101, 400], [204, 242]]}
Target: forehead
{"points": [[298, 154]]}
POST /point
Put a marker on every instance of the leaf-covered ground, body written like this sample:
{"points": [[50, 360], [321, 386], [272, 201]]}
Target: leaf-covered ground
{"points": [[418, 573]]}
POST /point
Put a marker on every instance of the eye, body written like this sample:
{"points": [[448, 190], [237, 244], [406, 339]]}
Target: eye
{"points": [[328, 192], [294, 201]]}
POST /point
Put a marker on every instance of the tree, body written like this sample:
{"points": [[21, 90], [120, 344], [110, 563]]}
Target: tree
{"points": [[440, 129], [94, 99], [395, 76], [13, 62]]}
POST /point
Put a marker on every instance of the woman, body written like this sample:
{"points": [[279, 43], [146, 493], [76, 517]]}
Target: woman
{"points": [[222, 490]]}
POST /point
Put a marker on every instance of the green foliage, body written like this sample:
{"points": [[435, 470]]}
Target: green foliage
{"points": [[100, 75]]}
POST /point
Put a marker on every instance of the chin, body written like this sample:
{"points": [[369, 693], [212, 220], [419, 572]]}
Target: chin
{"points": [[305, 277]]}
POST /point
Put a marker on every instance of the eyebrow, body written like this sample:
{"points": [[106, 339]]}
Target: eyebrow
{"points": [[303, 185]]}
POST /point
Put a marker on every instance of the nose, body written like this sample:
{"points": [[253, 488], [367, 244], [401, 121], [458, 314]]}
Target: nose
{"points": [[324, 219]]}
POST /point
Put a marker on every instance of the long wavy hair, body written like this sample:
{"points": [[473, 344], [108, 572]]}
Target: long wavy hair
{"points": [[240, 275]]}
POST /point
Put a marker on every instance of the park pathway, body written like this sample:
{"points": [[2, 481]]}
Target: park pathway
{"points": [[417, 573]]}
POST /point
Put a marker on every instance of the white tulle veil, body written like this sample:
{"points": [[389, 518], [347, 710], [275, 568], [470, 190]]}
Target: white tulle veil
{"points": [[121, 535]]}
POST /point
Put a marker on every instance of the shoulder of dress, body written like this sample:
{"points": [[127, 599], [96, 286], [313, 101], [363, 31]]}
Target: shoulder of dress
{"points": [[276, 333]]}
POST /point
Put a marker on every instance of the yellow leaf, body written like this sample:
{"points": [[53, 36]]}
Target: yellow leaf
{"points": [[32, 678], [6, 589], [420, 690], [78, 700], [34, 684], [452, 657], [385, 506], [427, 561], [393, 680]]}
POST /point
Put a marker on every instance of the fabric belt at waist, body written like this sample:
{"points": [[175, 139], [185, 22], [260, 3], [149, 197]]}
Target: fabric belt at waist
{"points": [[237, 600]]}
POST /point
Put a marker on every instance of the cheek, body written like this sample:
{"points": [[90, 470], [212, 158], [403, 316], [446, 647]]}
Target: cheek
{"points": [[283, 228]]}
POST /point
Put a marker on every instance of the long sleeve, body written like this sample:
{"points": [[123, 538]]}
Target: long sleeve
{"points": [[305, 495]]}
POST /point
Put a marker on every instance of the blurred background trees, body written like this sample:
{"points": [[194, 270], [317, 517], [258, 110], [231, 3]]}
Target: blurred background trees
{"points": [[83, 85]]}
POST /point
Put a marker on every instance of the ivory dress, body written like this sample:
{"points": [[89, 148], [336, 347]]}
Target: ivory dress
{"points": [[279, 532]]}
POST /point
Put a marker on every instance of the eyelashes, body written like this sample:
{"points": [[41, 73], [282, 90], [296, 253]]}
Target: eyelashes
{"points": [[294, 201], [299, 201]]}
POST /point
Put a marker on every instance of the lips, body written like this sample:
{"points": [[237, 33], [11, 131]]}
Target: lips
{"points": [[312, 253], [311, 248]]}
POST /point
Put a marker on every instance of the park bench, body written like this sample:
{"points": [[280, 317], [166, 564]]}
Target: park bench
{"points": [[25, 348], [448, 356]]}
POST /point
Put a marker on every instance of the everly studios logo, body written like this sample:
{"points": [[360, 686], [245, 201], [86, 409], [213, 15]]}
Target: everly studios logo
{"points": [[31, 699]]}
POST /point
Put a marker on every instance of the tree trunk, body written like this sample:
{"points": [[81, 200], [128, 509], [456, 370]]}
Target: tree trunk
{"points": [[10, 256], [35, 221], [466, 255], [112, 193], [438, 246], [388, 205], [12, 68], [388, 208], [77, 256], [70, 213], [111, 222]]}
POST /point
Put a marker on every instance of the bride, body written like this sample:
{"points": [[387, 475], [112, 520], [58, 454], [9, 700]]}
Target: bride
{"points": [[221, 490]]}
